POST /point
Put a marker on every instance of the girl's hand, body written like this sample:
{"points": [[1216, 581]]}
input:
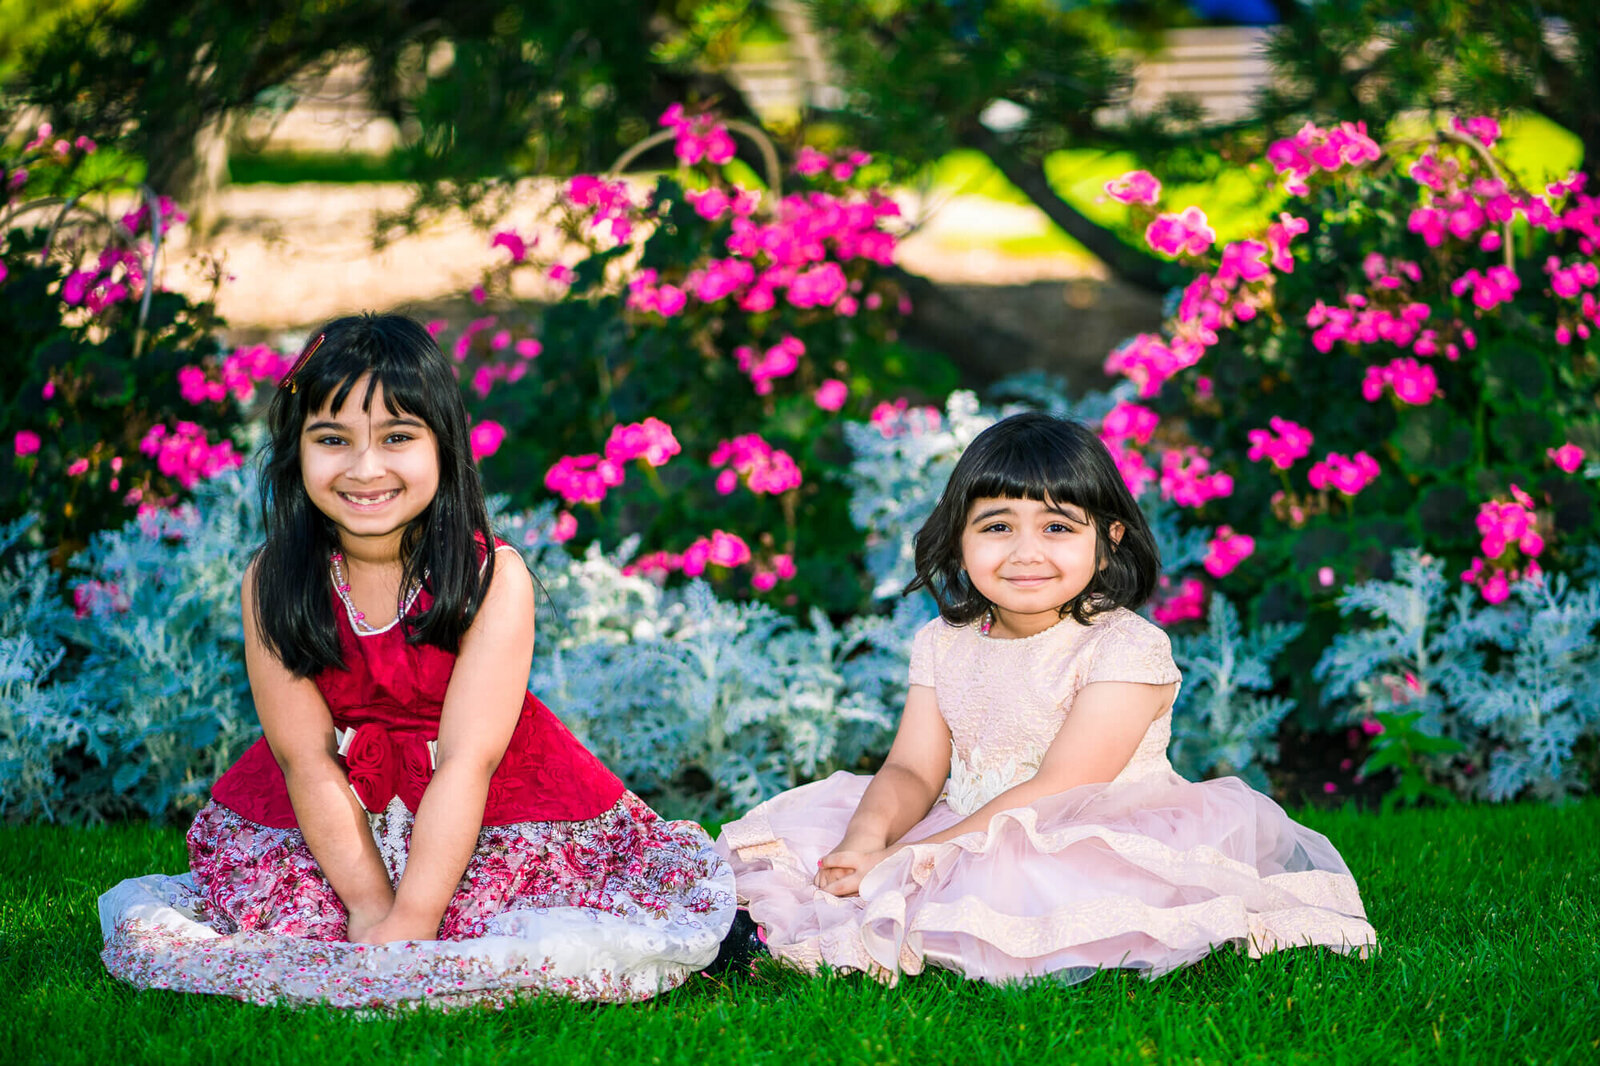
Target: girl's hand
{"points": [[389, 929], [841, 872]]}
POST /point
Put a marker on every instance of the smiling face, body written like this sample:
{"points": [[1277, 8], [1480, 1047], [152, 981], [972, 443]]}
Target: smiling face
{"points": [[1029, 558], [371, 471]]}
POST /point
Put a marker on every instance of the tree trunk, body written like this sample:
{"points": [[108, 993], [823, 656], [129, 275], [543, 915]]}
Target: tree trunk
{"points": [[1126, 262]]}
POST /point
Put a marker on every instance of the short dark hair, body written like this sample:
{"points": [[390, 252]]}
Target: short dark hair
{"points": [[1035, 456], [447, 542]]}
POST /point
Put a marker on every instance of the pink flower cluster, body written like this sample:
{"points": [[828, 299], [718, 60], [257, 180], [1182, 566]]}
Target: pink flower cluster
{"points": [[831, 394], [1185, 233], [1571, 283], [238, 377], [117, 275], [1134, 187], [651, 440], [1411, 381], [93, 597], [1313, 148], [1129, 421], [612, 204], [1285, 442], [645, 295], [698, 137], [184, 454], [583, 478], [1357, 323], [562, 529], [1188, 480], [841, 166], [1136, 472], [26, 442], [1226, 551], [719, 279], [513, 243], [1484, 128], [765, 469], [899, 419], [1389, 274], [764, 579], [1349, 476], [485, 438], [1148, 361], [1508, 528], [1490, 288], [1185, 604], [134, 222], [720, 549], [779, 361], [713, 203], [1567, 458]]}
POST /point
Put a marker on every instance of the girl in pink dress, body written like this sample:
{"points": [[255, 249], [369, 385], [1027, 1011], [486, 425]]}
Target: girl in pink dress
{"points": [[413, 825], [1026, 821]]}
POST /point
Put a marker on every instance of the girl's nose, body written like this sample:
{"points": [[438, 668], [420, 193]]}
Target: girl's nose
{"points": [[366, 464], [1026, 546]]}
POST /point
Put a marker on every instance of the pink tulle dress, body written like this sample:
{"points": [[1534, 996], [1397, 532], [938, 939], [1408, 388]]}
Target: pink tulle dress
{"points": [[1147, 872]]}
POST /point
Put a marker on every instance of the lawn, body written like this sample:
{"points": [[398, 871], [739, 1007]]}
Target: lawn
{"points": [[1489, 920]]}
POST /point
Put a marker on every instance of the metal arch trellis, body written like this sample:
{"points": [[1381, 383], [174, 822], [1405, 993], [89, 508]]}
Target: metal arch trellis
{"points": [[763, 143]]}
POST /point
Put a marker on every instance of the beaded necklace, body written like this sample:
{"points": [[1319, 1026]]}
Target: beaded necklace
{"points": [[359, 618]]}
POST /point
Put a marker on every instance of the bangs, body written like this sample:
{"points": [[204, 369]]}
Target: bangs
{"points": [[331, 380], [1022, 469]]}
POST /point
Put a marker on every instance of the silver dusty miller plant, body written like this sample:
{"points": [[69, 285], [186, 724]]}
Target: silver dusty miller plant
{"points": [[1224, 722], [137, 700], [1490, 701]]}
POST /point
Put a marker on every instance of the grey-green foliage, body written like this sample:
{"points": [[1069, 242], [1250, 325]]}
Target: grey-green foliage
{"points": [[167, 655], [895, 481], [1517, 684], [138, 700], [1223, 722], [710, 705], [45, 707]]}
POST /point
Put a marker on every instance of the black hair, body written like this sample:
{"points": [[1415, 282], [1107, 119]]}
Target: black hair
{"points": [[443, 547], [1034, 456]]}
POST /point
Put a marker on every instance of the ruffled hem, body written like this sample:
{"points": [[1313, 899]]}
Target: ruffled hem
{"points": [[617, 908], [1149, 875]]}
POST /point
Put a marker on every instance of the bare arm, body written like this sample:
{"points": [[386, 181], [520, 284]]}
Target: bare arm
{"points": [[299, 730], [481, 708], [1099, 736], [902, 792]]}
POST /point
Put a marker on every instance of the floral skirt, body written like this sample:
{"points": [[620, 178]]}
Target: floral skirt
{"points": [[1148, 875], [618, 907]]}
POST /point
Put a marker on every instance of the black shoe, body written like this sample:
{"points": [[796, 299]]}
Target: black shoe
{"points": [[740, 948]]}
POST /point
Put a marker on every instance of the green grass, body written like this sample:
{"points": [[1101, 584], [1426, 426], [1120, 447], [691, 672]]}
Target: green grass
{"points": [[1488, 918]]}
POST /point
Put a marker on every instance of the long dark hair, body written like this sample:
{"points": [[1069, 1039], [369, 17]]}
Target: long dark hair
{"points": [[442, 547], [1035, 456]]}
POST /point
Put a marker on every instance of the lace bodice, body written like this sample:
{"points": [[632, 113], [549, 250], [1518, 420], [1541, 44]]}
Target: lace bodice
{"points": [[1005, 700]]}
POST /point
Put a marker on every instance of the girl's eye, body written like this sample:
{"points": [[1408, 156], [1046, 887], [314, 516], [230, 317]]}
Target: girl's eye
{"points": [[398, 438], [330, 442], [1059, 527], [996, 527]]}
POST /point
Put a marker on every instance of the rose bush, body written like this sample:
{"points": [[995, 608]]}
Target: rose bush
{"points": [[689, 385], [118, 396], [1406, 356]]}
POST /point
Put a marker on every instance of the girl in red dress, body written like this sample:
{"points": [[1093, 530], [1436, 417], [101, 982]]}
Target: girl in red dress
{"points": [[413, 823]]}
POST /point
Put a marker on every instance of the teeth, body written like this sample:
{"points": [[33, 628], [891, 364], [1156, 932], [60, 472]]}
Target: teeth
{"points": [[370, 501]]}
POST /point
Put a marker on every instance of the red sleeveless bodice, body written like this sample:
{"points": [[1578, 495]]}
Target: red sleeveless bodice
{"points": [[390, 696]]}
